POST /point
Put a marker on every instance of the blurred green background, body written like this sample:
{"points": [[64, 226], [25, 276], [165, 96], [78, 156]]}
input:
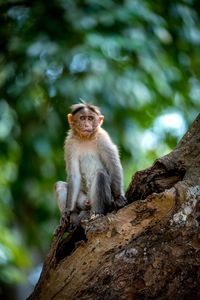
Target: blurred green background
{"points": [[138, 60]]}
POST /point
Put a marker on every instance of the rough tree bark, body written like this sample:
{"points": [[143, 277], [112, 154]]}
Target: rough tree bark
{"points": [[150, 249]]}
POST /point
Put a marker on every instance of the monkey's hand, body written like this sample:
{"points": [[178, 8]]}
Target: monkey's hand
{"points": [[65, 217], [120, 201], [70, 219], [64, 221]]}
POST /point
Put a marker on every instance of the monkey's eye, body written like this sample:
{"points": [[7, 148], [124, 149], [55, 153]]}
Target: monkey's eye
{"points": [[82, 118], [90, 118]]}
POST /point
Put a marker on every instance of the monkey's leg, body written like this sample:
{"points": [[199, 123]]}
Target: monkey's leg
{"points": [[61, 195], [100, 194], [61, 198]]}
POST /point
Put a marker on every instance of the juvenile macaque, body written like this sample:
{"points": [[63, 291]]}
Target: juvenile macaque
{"points": [[93, 167]]}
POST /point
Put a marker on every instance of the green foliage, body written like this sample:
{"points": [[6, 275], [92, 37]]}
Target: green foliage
{"points": [[138, 60]]}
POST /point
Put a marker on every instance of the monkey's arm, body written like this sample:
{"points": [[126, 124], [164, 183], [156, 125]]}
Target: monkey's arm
{"points": [[74, 178], [110, 158]]}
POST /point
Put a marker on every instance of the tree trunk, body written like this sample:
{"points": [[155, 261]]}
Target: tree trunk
{"points": [[149, 249]]}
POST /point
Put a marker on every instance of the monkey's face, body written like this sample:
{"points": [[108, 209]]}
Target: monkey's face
{"points": [[86, 122]]}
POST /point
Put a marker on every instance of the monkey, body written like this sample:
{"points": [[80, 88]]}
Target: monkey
{"points": [[95, 177]]}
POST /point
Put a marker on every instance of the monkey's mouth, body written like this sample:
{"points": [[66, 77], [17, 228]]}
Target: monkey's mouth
{"points": [[87, 131]]}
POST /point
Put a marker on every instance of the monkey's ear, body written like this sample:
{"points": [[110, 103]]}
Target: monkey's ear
{"points": [[101, 118], [70, 118]]}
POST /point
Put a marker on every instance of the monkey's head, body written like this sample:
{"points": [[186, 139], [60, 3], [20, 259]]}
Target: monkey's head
{"points": [[85, 119]]}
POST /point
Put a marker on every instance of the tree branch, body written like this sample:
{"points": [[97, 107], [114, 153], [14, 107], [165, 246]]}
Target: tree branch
{"points": [[150, 249]]}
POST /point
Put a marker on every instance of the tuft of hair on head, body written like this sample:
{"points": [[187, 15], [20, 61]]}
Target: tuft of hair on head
{"points": [[77, 107]]}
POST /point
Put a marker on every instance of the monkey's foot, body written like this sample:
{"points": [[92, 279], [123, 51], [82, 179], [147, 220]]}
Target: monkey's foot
{"points": [[84, 216], [95, 216], [87, 216], [120, 201], [57, 230], [61, 227], [64, 222]]}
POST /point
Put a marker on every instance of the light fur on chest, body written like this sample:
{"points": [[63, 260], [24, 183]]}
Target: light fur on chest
{"points": [[89, 163]]}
